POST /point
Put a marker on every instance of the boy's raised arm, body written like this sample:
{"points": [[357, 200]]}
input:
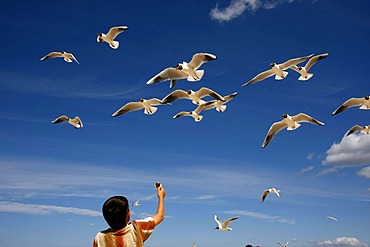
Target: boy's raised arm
{"points": [[161, 193]]}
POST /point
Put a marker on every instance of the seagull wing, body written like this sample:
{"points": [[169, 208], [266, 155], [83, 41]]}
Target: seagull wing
{"points": [[52, 55], [295, 67], [301, 117], [314, 60], [132, 106], [114, 31], [294, 61], [276, 191], [227, 222], [219, 223], [264, 195], [177, 94], [274, 129], [199, 58], [230, 97], [261, 76], [208, 92], [354, 129], [154, 101], [205, 106], [182, 114], [60, 119], [70, 55], [352, 102], [168, 74]]}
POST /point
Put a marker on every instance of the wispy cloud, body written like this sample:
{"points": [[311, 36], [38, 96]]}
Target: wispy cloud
{"points": [[341, 242], [261, 216], [352, 150], [14, 207], [237, 7], [88, 87], [205, 197], [306, 169]]}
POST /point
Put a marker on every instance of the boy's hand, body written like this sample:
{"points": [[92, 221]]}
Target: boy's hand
{"points": [[160, 190]]}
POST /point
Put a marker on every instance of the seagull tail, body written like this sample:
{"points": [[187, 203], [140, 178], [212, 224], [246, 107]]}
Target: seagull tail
{"points": [[114, 44], [199, 73], [152, 110], [198, 119], [221, 109], [303, 78], [277, 77]]}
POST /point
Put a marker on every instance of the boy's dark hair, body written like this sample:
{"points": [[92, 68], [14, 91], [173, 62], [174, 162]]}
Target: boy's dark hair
{"points": [[115, 211]]}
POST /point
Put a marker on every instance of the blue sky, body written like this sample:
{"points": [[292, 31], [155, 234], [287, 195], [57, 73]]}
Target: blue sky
{"points": [[54, 178]]}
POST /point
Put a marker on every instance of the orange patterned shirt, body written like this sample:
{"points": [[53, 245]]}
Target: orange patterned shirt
{"points": [[132, 235]]}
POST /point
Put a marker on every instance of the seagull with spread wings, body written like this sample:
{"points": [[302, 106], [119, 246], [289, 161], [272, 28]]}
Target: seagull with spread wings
{"points": [[277, 69], [363, 102], [194, 96], [365, 129], [303, 71], [290, 123], [68, 57], [184, 70], [147, 105], [75, 122], [111, 35], [268, 191], [224, 225]]}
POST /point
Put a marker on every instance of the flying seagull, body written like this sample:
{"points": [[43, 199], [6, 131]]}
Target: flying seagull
{"points": [[183, 70], [111, 35], [75, 122], [136, 204], [283, 245], [364, 104], [220, 105], [266, 192], [303, 71], [223, 226], [355, 128], [196, 61], [331, 218], [172, 74], [68, 57], [194, 96], [277, 70], [289, 122], [148, 106], [196, 112]]}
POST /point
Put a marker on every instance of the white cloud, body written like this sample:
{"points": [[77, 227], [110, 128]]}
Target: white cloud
{"points": [[306, 169], [353, 150], [260, 216], [342, 242], [205, 197], [237, 7], [14, 207], [365, 172]]}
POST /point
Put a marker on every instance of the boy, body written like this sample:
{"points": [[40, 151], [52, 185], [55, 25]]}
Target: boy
{"points": [[121, 233]]}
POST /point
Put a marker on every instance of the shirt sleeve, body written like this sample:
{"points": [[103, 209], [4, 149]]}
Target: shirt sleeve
{"points": [[146, 227]]}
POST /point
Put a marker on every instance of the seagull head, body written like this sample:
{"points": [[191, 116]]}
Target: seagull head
{"points": [[141, 100], [299, 67], [217, 227], [367, 97], [189, 91], [179, 66], [284, 115], [273, 64]]}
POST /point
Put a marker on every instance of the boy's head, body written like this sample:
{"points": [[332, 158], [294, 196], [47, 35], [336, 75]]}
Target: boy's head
{"points": [[116, 212]]}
